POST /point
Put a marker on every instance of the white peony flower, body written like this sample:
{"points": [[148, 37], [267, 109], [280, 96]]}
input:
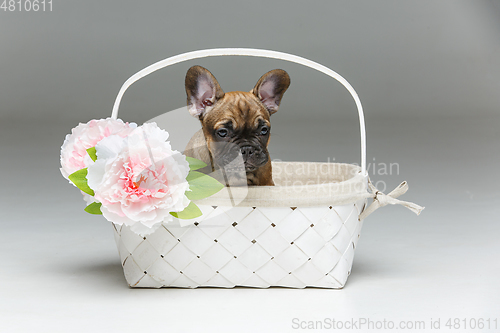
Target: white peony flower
{"points": [[139, 179], [74, 154]]}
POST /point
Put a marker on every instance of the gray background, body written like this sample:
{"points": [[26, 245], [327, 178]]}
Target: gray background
{"points": [[427, 74]]}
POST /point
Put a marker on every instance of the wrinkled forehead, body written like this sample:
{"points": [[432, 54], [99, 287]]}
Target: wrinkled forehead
{"points": [[239, 109]]}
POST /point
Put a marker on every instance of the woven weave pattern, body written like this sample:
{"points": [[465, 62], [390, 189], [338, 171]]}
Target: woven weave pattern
{"points": [[245, 246]]}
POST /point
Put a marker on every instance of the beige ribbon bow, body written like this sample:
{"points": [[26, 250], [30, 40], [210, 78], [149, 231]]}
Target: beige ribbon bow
{"points": [[380, 200]]}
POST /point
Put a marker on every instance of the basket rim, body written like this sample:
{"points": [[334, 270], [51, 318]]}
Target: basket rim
{"points": [[323, 191]]}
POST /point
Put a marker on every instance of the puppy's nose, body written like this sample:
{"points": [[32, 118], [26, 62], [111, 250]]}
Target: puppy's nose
{"points": [[249, 152]]}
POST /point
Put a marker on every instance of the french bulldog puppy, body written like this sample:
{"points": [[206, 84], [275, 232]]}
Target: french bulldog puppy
{"points": [[234, 124]]}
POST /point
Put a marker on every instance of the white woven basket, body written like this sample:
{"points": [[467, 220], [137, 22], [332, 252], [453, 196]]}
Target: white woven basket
{"points": [[290, 236]]}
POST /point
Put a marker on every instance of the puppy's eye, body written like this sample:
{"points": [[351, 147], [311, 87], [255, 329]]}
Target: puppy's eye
{"points": [[264, 130], [222, 133]]}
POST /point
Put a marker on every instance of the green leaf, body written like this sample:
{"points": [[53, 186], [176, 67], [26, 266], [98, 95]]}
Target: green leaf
{"points": [[201, 186], [190, 212], [92, 153], [195, 164], [94, 208], [79, 178]]}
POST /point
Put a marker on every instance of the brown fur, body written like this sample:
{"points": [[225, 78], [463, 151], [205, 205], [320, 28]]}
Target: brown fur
{"points": [[245, 111]]}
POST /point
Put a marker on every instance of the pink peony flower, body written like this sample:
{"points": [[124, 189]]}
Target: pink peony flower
{"points": [[139, 179], [74, 155]]}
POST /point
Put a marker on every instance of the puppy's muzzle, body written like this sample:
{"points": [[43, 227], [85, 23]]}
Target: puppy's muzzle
{"points": [[249, 152], [254, 157]]}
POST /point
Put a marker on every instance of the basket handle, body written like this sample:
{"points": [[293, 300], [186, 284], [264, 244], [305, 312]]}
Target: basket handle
{"points": [[251, 53]]}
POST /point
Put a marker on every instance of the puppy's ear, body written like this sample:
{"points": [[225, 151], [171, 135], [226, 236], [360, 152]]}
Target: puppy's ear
{"points": [[271, 87], [202, 90]]}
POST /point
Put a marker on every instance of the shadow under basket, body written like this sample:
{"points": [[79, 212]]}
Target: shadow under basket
{"points": [[300, 233], [263, 241]]}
